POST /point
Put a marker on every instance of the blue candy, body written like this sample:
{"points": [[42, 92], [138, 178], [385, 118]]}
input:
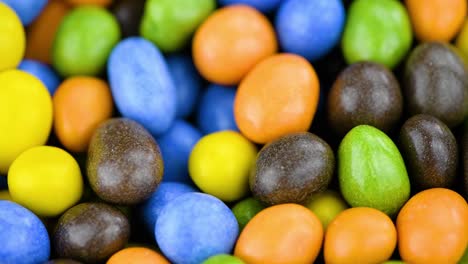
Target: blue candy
{"points": [[24, 238], [264, 6], [194, 227], [310, 28], [187, 81], [151, 208], [27, 10], [216, 109], [176, 145], [43, 72], [141, 84]]}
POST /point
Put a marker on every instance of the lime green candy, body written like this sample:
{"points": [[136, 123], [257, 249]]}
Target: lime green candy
{"points": [[84, 40], [377, 31], [170, 23], [245, 210], [223, 259], [371, 171], [394, 262]]}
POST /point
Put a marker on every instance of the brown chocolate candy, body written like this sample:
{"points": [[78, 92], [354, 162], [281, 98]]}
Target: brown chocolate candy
{"points": [[90, 232], [436, 83], [430, 152], [124, 162], [465, 156], [129, 14], [291, 169], [365, 93]]}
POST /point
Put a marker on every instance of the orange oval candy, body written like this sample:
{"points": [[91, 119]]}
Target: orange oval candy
{"points": [[433, 227], [360, 235], [436, 20], [41, 32], [90, 2], [285, 233], [230, 42], [80, 105], [137, 255], [279, 96]]}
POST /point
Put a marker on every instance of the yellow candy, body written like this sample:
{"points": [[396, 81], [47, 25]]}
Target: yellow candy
{"points": [[25, 115], [47, 180], [12, 38], [220, 164], [462, 39]]}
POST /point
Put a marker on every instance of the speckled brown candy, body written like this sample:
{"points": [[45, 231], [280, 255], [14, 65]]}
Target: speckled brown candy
{"points": [[129, 13], [364, 93], [62, 261], [124, 162], [430, 152], [90, 232], [291, 169], [436, 83]]}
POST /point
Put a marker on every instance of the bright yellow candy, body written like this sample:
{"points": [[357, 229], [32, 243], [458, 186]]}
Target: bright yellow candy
{"points": [[25, 115], [462, 39], [12, 38], [220, 163], [47, 180]]}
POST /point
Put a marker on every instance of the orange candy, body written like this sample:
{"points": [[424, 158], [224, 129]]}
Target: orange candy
{"points": [[279, 96], [90, 2], [41, 33], [137, 255], [360, 235], [230, 42], [433, 227], [80, 105], [436, 20], [285, 233]]}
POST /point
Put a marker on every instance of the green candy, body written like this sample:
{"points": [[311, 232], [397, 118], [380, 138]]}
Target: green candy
{"points": [[371, 171], [377, 31], [223, 259], [84, 40], [245, 210], [170, 23]]}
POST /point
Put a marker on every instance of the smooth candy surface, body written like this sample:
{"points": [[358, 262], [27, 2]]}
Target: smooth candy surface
{"points": [[150, 210], [377, 31], [229, 43], [187, 82], [26, 114], [277, 97], [141, 84], [170, 23], [310, 28], [220, 164], [81, 104], [27, 10], [12, 38], [176, 145], [46, 180], [84, 41], [23, 235], [194, 227], [371, 171], [43, 72], [216, 109]]}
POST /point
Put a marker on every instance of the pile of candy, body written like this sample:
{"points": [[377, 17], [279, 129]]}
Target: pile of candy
{"points": [[233, 131]]}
